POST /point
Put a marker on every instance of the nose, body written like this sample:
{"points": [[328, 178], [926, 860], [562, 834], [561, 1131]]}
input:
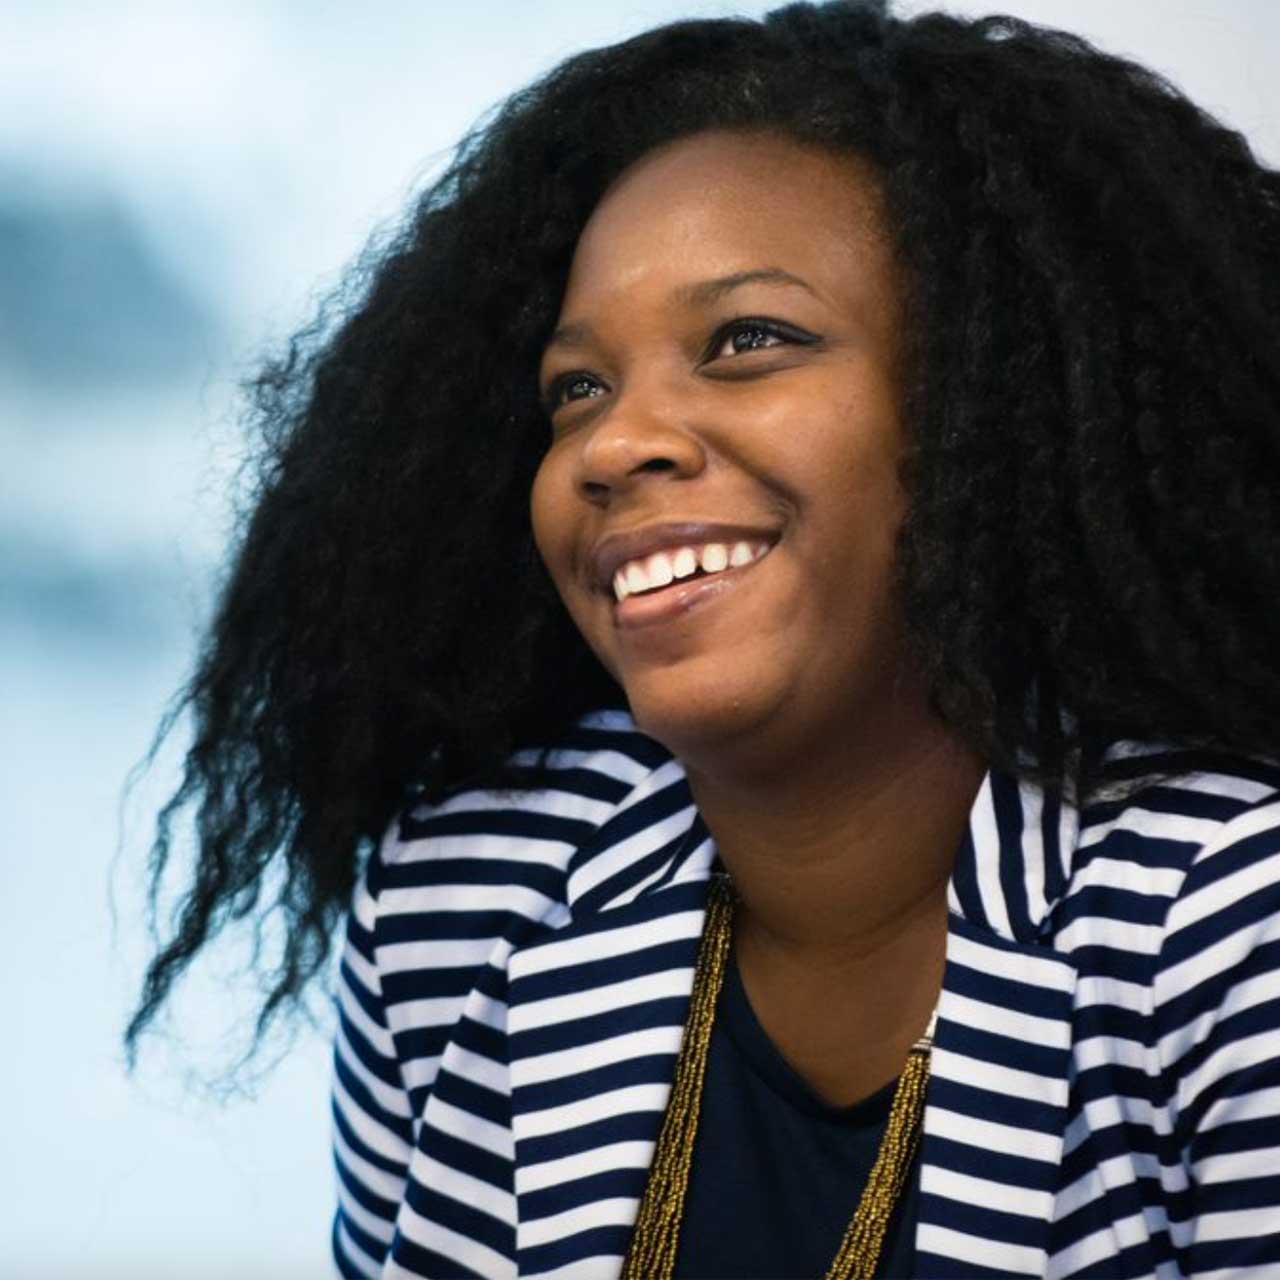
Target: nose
{"points": [[637, 438]]}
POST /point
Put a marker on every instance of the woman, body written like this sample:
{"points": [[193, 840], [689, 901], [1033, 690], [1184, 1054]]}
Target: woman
{"points": [[787, 542]]}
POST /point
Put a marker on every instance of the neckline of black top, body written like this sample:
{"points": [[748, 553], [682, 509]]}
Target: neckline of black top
{"points": [[766, 1060]]}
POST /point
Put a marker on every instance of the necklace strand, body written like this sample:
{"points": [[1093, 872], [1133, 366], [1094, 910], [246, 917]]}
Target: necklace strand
{"points": [[656, 1238]]}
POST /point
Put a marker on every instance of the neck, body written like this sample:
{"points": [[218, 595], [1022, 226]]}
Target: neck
{"points": [[833, 860], [841, 871]]}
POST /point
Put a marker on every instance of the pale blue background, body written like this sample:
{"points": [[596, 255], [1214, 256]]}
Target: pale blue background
{"points": [[178, 182]]}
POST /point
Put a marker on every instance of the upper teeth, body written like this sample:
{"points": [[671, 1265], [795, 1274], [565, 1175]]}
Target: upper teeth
{"points": [[663, 567]]}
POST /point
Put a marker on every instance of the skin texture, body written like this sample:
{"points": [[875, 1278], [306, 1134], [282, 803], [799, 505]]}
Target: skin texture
{"points": [[789, 693]]}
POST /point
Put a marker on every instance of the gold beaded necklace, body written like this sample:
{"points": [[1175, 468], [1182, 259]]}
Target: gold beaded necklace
{"points": [[652, 1255]]}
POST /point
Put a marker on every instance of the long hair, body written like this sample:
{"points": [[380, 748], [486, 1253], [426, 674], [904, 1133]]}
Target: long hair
{"points": [[1091, 272]]}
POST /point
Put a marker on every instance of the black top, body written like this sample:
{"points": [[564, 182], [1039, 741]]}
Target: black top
{"points": [[777, 1173]]}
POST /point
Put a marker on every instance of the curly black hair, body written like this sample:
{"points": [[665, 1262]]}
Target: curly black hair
{"points": [[1091, 391]]}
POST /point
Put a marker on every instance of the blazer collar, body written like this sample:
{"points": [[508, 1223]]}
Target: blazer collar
{"points": [[638, 891], [1014, 862]]}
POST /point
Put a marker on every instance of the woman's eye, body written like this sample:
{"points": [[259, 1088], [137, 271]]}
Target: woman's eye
{"points": [[755, 335], [571, 386], [749, 337]]}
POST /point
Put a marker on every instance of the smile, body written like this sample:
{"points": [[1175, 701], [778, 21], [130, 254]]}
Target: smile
{"points": [[651, 573]]}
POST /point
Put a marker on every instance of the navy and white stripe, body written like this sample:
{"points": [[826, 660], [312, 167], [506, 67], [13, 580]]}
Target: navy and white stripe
{"points": [[1105, 1094]]}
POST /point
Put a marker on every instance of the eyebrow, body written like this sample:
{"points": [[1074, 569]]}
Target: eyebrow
{"points": [[706, 292], [703, 293]]}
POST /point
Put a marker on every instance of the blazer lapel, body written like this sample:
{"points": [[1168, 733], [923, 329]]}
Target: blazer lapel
{"points": [[595, 1016], [996, 1109], [596, 1009]]}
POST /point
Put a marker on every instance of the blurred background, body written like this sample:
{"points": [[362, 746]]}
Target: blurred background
{"points": [[179, 184]]}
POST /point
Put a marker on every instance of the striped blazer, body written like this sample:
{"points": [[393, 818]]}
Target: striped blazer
{"points": [[1105, 1090]]}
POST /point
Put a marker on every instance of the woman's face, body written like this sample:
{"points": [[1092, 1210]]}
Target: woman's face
{"points": [[722, 393]]}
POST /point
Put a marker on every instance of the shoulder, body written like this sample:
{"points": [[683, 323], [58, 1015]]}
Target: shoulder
{"points": [[1160, 823], [1154, 798], [1171, 920], [1219, 945], [512, 850], [1176, 879], [1213, 1000], [1157, 813]]}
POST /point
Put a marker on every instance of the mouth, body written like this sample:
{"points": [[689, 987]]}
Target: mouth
{"points": [[665, 586], [651, 574], [658, 571]]}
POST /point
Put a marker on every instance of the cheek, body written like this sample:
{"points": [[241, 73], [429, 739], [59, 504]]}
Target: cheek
{"points": [[556, 512], [547, 514]]}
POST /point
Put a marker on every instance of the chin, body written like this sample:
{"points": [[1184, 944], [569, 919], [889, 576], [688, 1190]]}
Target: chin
{"points": [[704, 728]]}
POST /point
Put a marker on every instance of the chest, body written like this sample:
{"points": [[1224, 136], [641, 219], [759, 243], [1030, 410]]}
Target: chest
{"points": [[845, 1029], [776, 1174]]}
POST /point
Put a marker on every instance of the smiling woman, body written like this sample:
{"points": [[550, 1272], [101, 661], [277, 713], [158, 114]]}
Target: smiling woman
{"points": [[763, 607], [722, 380]]}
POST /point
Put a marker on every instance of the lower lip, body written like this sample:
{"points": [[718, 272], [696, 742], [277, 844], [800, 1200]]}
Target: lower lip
{"points": [[679, 598]]}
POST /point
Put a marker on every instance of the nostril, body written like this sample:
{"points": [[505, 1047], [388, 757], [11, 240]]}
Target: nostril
{"points": [[657, 464]]}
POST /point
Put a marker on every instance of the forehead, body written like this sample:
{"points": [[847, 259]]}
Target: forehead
{"points": [[719, 203]]}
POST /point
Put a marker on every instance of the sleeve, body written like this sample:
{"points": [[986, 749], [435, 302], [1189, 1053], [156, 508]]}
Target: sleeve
{"points": [[1217, 1010], [372, 1117]]}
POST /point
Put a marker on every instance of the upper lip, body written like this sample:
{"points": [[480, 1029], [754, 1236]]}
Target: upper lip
{"points": [[613, 550]]}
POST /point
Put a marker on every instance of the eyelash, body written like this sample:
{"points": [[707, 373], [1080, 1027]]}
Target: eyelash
{"points": [[553, 398]]}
